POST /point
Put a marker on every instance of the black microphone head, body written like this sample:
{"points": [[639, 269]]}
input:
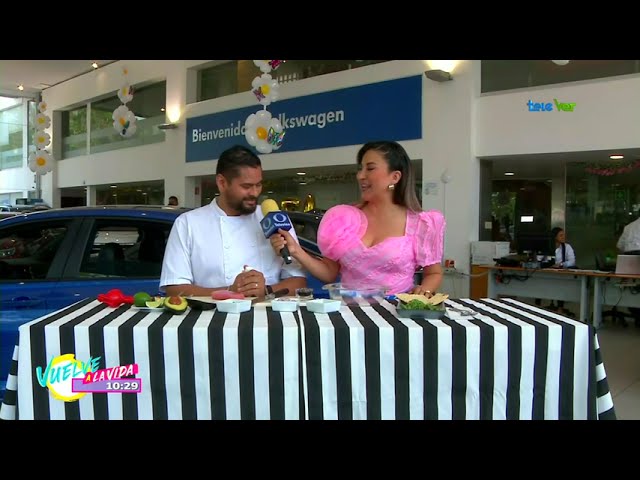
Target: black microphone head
{"points": [[274, 221]]}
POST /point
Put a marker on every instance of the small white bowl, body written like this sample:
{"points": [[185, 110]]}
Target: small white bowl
{"points": [[233, 305], [323, 305], [284, 304]]}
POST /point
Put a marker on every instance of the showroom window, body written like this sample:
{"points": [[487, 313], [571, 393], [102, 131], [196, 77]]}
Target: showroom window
{"points": [[96, 120], [236, 76]]}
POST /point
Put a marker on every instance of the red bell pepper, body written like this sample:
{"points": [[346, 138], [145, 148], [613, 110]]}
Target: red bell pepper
{"points": [[114, 298]]}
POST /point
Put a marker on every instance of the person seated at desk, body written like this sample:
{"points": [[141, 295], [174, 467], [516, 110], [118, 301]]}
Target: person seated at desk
{"points": [[565, 258]]}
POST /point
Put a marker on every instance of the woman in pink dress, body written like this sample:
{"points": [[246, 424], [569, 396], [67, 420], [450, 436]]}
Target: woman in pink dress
{"points": [[382, 240]]}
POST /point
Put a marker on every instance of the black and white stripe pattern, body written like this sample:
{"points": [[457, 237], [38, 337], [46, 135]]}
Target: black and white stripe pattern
{"points": [[182, 360], [509, 361]]}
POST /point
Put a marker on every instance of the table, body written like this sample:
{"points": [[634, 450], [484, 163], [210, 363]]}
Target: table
{"points": [[625, 292], [570, 285], [511, 361]]}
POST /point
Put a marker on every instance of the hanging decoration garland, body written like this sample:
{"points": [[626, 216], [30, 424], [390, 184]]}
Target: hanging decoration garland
{"points": [[261, 130], [41, 161], [616, 168], [124, 120]]}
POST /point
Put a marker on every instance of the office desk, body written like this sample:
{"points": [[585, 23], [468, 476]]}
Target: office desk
{"points": [[614, 289], [547, 283], [510, 361]]}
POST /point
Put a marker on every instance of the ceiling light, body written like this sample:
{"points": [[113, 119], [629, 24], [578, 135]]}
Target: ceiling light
{"points": [[114, 186], [302, 173], [162, 109], [616, 157], [20, 87], [94, 65], [302, 183], [509, 173]]}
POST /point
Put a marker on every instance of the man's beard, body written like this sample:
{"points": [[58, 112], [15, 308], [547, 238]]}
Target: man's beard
{"points": [[242, 209]]}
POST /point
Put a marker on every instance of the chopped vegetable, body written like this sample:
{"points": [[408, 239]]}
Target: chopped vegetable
{"points": [[418, 305]]}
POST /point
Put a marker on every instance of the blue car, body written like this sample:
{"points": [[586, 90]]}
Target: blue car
{"points": [[52, 258]]}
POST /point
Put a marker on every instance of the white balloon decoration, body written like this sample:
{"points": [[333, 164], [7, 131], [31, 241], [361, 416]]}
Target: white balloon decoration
{"points": [[41, 161], [124, 120], [261, 130]]}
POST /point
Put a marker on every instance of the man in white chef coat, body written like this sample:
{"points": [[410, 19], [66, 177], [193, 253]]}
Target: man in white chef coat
{"points": [[209, 247]]}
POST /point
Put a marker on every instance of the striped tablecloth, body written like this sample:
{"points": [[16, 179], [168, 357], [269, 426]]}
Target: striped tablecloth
{"points": [[510, 361]]}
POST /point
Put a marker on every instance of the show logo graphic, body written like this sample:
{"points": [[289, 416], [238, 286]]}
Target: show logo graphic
{"points": [[69, 379]]}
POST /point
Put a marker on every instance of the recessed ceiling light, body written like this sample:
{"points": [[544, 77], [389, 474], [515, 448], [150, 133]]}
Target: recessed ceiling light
{"points": [[20, 87], [162, 109], [509, 173], [114, 186], [616, 157], [94, 65], [302, 183], [302, 173]]}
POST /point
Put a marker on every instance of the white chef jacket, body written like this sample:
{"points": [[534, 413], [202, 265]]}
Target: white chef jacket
{"points": [[629, 241], [206, 247]]}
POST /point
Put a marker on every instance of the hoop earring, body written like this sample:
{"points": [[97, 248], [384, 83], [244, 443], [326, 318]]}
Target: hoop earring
{"points": [[391, 186]]}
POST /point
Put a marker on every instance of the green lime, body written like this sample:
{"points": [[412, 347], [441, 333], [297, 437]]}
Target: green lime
{"points": [[140, 299], [155, 303]]}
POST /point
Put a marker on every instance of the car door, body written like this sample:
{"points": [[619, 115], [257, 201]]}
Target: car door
{"points": [[115, 252], [33, 253]]}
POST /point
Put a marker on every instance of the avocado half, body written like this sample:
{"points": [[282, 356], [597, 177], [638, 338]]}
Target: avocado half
{"points": [[175, 304]]}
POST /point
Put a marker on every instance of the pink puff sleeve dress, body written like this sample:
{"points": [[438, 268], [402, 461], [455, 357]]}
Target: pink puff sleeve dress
{"points": [[390, 263]]}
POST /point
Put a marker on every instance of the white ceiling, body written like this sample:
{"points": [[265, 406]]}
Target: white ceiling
{"points": [[37, 75]]}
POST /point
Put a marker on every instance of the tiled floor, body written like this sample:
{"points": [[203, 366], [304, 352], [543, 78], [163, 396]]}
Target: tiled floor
{"points": [[620, 349]]}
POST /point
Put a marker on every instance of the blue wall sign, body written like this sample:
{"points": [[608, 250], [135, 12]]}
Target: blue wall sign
{"points": [[390, 110]]}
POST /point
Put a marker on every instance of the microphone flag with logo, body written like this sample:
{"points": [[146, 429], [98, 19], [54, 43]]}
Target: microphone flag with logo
{"points": [[272, 221]]}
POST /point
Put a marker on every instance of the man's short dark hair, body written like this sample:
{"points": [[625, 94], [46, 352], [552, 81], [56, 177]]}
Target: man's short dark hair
{"points": [[232, 159]]}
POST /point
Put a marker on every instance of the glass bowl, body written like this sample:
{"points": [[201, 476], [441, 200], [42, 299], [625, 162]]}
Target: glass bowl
{"points": [[352, 295]]}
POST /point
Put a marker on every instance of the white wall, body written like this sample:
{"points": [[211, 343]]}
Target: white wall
{"points": [[606, 116], [17, 180]]}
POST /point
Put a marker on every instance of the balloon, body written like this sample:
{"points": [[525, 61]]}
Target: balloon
{"points": [[266, 89], [40, 162], [124, 121], [263, 65], [262, 131], [42, 121], [125, 94], [41, 139]]}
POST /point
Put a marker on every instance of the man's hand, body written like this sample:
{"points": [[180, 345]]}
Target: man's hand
{"points": [[250, 284]]}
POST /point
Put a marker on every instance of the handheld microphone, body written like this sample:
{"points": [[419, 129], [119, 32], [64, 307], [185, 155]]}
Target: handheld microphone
{"points": [[272, 221]]}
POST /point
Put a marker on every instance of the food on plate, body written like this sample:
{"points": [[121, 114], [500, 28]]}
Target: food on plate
{"points": [[418, 305], [434, 300], [226, 294], [175, 304]]}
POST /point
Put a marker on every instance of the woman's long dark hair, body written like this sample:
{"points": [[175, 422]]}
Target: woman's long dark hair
{"points": [[397, 159]]}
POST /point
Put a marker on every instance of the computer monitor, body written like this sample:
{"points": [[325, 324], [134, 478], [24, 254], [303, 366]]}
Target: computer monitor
{"points": [[538, 244]]}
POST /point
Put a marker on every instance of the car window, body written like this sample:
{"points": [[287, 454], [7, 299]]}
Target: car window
{"points": [[125, 249], [27, 251]]}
